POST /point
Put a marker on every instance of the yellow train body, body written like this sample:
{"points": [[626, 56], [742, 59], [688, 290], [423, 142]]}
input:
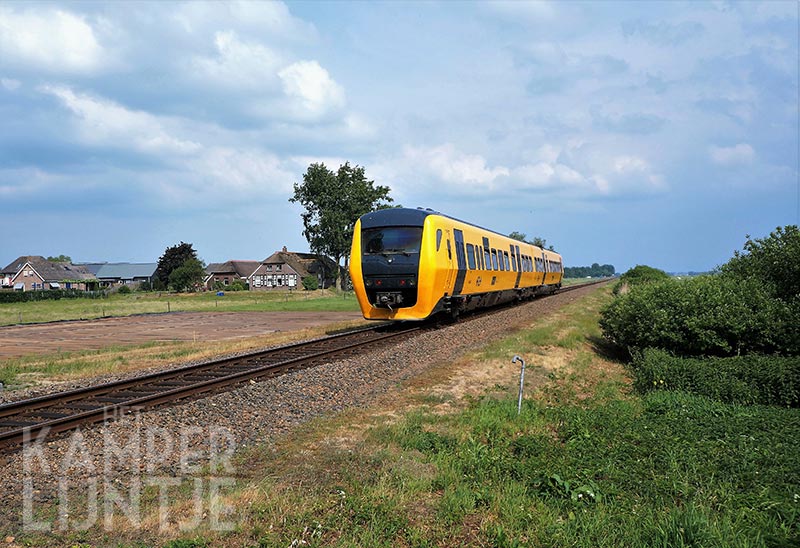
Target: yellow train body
{"points": [[408, 264]]}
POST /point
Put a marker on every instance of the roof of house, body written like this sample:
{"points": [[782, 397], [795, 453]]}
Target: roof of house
{"points": [[51, 271], [243, 269], [303, 263], [124, 271]]}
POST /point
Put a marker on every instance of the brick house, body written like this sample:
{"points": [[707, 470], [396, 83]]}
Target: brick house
{"points": [[286, 270], [33, 272], [228, 272]]}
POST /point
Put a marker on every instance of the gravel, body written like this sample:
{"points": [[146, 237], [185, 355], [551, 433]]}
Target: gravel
{"points": [[182, 443]]}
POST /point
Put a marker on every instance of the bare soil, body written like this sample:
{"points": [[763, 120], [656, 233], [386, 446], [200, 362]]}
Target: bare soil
{"points": [[24, 340]]}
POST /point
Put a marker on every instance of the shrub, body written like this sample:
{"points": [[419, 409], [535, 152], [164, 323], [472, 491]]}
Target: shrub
{"points": [[774, 261], [124, 290], [310, 283], [753, 379], [640, 274], [707, 315]]}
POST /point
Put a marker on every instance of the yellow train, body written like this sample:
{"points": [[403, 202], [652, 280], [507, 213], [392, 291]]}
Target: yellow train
{"points": [[409, 264]]}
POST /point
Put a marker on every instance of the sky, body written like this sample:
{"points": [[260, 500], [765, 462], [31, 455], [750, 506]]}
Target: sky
{"points": [[623, 133]]}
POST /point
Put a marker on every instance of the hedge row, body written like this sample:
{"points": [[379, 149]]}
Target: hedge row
{"points": [[48, 295], [746, 380], [706, 315]]}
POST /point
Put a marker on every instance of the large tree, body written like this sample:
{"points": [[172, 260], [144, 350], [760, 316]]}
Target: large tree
{"points": [[333, 202], [173, 258]]}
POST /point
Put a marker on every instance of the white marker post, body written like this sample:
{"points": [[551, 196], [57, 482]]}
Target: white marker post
{"points": [[521, 382]]}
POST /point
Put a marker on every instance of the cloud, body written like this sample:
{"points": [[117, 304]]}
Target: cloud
{"points": [[736, 155], [313, 92], [50, 39], [103, 122], [449, 165], [663, 33], [10, 84], [239, 64]]}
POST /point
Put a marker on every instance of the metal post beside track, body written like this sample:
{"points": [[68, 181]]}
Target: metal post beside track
{"points": [[521, 382]]}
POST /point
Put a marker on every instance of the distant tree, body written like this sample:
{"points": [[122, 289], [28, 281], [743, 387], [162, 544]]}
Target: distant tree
{"points": [[333, 202], [594, 271], [187, 276], [537, 241], [174, 257], [60, 259]]}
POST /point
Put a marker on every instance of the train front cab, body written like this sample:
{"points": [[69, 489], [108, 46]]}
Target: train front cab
{"points": [[388, 248]]}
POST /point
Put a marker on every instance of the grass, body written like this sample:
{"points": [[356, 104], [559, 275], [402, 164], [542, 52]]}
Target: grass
{"points": [[447, 461], [156, 302]]}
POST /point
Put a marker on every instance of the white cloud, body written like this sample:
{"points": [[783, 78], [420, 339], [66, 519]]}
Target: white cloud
{"points": [[452, 166], [735, 155], [10, 84], [50, 39], [239, 64], [104, 122], [313, 91]]}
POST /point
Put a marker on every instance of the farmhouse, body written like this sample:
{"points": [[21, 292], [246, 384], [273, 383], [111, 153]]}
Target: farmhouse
{"points": [[286, 269], [228, 272], [33, 272]]}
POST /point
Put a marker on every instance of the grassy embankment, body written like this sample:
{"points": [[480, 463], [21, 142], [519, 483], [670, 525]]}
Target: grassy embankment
{"points": [[64, 366], [447, 461]]}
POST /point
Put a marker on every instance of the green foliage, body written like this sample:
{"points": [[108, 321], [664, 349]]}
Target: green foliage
{"points": [[640, 274], [706, 315], [595, 271], [48, 295], [124, 290], [60, 259], [173, 258], [773, 261], [333, 202], [310, 283], [187, 276], [537, 241], [752, 379], [235, 285]]}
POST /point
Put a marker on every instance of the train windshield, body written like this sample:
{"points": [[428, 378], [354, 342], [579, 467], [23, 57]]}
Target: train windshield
{"points": [[391, 239]]}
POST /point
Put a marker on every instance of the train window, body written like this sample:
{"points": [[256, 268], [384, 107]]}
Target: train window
{"points": [[494, 260], [471, 256], [513, 260], [487, 259], [391, 240], [438, 238], [505, 254], [449, 251]]}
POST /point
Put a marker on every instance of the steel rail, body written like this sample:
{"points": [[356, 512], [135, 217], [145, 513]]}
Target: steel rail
{"points": [[10, 438]]}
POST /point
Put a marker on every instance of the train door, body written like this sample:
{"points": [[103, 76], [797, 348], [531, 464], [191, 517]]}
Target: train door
{"points": [[544, 268], [461, 260], [518, 262]]}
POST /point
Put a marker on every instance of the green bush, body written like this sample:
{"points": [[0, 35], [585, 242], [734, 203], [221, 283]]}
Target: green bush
{"points": [[774, 261], [310, 283], [124, 290], [640, 274], [48, 295], [706, 315], [752, 379]]}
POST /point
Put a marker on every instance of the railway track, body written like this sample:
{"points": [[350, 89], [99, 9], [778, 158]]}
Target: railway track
{"points": [[37, 418]]}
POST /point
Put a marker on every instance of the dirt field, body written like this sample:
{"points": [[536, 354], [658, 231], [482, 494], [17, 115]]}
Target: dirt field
{"points": [[49, 338]]}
